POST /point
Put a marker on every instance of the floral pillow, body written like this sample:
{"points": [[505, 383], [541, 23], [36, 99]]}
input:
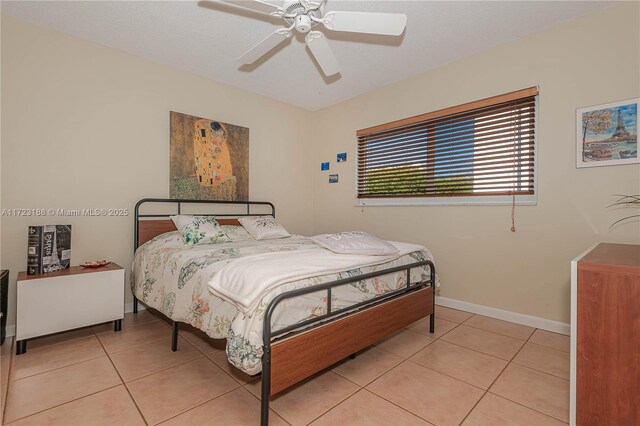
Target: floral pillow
{"points": [[200, 230], [263, 227], [237, 233]]}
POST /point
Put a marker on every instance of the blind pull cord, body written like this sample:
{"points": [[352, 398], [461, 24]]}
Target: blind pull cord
{"points": [[513, 213]]}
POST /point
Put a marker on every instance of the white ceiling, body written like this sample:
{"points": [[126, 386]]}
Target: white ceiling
{"points": [[206, 37]]}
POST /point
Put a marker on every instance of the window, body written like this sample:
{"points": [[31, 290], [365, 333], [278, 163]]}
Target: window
{"points": [[481, 152]]}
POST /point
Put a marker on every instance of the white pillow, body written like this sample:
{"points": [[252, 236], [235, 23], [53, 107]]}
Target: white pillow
{"points": [[263, 227], [237, 233], [200, 230], [355, 242]]}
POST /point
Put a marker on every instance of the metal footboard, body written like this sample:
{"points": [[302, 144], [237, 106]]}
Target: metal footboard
{"points": [[270, 336]]}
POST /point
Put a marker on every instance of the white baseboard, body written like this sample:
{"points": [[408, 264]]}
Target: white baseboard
{"points": [[11, 330], [128, 307], [487, 311]]}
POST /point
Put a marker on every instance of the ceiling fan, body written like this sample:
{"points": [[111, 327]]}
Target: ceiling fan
{"points": [[303, 15]]}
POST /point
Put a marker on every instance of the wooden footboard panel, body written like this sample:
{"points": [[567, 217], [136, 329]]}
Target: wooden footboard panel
{"points": [[298, 357]]}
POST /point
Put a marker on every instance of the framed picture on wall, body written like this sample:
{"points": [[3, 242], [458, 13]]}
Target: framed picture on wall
{"points": [[607, 134]]}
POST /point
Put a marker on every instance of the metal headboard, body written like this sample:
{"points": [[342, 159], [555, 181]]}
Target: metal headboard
{"points": [[180, 202]]}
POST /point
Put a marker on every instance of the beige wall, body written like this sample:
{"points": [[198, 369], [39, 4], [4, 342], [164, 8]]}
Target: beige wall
{"points": [[85, 126], [581, 63]]}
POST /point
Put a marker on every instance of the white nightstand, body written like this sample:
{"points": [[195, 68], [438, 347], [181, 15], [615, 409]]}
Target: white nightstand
{"points": [[68, 299]]}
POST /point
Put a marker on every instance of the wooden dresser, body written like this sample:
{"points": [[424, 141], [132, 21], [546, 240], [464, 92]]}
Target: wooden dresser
{"points": [[605, 336]]}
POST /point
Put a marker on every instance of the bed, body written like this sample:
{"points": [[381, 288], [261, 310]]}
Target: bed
{"points": [[297, 328]]}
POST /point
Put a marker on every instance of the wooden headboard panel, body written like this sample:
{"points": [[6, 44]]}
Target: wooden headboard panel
{"points": [[149, 229], [149, 226]]}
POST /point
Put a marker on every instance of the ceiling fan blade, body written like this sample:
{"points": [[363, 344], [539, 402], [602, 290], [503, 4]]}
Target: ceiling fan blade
{"points": [[258, 6], [322, 52], [260, 49], [366, 22]]}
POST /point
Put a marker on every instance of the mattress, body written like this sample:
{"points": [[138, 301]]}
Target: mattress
{"points": [[173, 278]]}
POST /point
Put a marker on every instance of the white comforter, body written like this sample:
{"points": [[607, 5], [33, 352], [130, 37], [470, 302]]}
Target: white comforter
{"points": [[246, 280], [173, 278]]}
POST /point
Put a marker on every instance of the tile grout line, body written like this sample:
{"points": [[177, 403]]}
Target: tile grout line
{"points": [[540, 371], [393, 403], [438, 338], [396, 405], [480, 352], [199, 405], [531, 408], [89, 327], [270, 409], [495, 332], [324, 371], [6, 397], [524, 406], [475, 350], [229, 374], [496, 379], [548, 347], [401, 356], [58, 368], [64, 403], [161, 370], [201, 356], [433, 336], [123, 383], [74, 363], [329, 369], [126, 349], [417, 332], [128, 325], [449, 376], [407, 359], [64, 341], [334, 406], [382, 374], [509, 363]]}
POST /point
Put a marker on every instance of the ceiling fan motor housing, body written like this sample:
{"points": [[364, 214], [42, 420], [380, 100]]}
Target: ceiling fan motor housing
{"points": [[303, 24], [302, 19]]}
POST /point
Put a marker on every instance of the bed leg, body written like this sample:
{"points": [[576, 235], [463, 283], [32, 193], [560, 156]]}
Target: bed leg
{"points": [[135, 305], [174, 337], [352, 356], [432, 323], [266, 386]]}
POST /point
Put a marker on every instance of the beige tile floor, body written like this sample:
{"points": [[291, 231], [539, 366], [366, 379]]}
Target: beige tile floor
{"points": [[474, 371]]}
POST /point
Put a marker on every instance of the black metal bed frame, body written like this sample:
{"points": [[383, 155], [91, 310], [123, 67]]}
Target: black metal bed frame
{"points": [[270, 336], [179, 203]]}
